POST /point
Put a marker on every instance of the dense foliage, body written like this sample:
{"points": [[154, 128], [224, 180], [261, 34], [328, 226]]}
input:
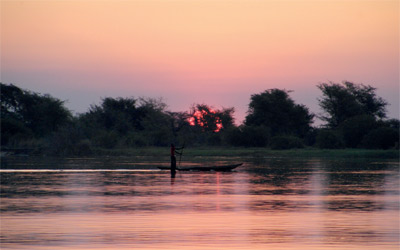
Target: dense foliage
{"points": [[276, 110], [354, 116], [352, 112], [26, 115], [343, 101]]}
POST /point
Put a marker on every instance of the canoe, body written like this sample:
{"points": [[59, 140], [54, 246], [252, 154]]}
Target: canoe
{"points": [[204, 168]]}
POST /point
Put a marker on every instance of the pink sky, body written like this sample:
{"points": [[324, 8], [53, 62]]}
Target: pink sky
{"points": [[213, 52]]}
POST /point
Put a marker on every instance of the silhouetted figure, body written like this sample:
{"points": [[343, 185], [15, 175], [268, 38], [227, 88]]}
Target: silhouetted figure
{"points": [[173, 159]]}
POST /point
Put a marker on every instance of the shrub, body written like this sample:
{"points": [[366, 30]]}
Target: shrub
{"points": [[286, 142], [381, 138], [106, 139], [83, 147], [311, 137], [214, 139], [248, 136], [65, 140], [159, 137], [355, 128], [12, 130], [135, 139], [329, 139]]}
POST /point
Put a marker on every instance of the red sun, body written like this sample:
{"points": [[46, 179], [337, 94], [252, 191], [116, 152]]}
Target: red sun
{"points": [[199, 118]]}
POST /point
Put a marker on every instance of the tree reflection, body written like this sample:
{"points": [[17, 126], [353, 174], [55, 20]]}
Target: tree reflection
{"points": [[276, 185], [356, 183], [348, 185]]}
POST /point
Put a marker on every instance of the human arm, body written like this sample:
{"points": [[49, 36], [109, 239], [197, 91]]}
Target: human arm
{"points": [[179, 152]]}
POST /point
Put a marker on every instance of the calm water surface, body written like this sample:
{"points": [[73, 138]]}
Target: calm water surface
{"points": [[271, 204]]}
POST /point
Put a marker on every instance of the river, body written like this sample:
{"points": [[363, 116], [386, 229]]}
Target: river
{"points": [[269, 204]]}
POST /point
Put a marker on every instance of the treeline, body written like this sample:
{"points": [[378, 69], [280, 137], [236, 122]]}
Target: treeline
{"points": [[355, 118]]}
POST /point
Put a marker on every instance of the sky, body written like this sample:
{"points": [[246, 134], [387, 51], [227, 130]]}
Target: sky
{"points": [[199, 51]]}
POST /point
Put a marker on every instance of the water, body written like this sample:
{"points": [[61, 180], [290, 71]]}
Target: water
{"points": [[274, 204]]}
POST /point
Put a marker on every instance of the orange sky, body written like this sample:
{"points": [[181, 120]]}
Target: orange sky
{"points": [[217, 52]]}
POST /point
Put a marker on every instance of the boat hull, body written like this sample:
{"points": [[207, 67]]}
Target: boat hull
{"points": [[222, 168]]}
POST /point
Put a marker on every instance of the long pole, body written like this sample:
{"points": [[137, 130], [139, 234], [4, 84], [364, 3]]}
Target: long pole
{"points": [[180, 156]]}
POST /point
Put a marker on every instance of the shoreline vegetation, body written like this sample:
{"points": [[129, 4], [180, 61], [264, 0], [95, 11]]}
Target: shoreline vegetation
{"points": [[149, 158], [238, 152], [255, 152], [356, 125]]}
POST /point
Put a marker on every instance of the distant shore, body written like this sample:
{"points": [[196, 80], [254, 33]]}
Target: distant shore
{"points": [[152, 157], [254, 152], [234, 152]]}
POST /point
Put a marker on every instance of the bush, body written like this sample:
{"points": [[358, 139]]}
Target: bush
{"points": [[329, 139], [65, 140], [159, 137], [135, 139], [381, 138], [83, 147], [311, 137], [248, 136], [286, 142], [12, 130], [354, 129], [214, 139], [233, 136], [22, 142], [106, 139]]}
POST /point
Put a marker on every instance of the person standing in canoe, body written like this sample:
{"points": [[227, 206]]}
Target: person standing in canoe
{"points": [[173, 159]]}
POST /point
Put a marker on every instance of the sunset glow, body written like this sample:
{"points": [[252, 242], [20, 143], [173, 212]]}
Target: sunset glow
{"points": [[200, 124], [216, 52], [199, 118]]}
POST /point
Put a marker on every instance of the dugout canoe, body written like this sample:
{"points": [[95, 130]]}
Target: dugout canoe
{"points": [[218, 168]]}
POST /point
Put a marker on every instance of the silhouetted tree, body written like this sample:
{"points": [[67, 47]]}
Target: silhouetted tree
{"points": [[343, 101], [178, 121], [30, 114], [227, 119], [391, 123], [275, 109], [329, 139], [248, 136], [382, 138], [69, 140], [204, 125], [209, 119], [117, 114], [155, 122], [286, 142], [128, 122], [355, 128]]}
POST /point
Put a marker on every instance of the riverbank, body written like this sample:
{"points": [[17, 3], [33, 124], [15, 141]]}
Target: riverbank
{"points": [[228, 152], [255, 152], [151, 158]]}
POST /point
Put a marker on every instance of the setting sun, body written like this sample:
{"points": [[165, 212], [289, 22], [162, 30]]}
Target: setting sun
{"points": [[202, 119]]}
